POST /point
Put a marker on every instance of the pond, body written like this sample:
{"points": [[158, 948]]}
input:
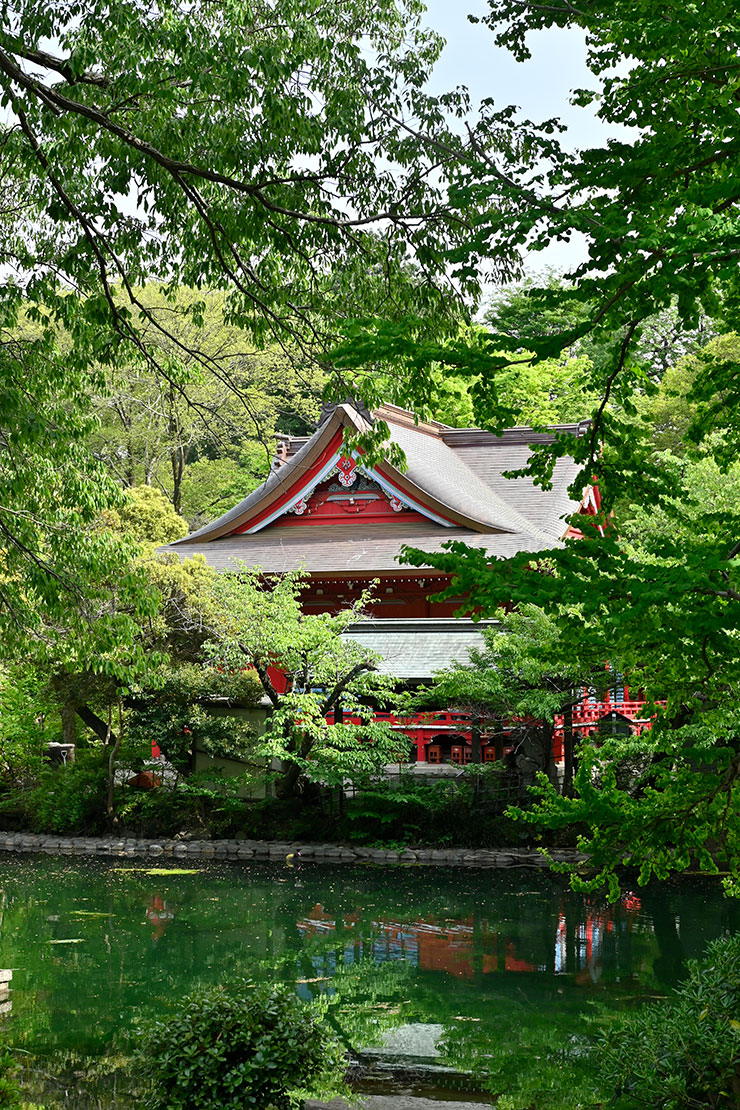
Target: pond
{"points": [[511, 964]]}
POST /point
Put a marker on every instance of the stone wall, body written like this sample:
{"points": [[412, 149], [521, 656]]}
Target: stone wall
{"points": [[277, 851]]}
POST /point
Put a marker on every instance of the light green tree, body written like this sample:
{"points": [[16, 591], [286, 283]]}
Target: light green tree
{"points": [[308, 672], [218, 408]]}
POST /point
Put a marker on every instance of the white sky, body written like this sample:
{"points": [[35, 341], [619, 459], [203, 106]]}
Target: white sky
{"points": [[541, 87]]}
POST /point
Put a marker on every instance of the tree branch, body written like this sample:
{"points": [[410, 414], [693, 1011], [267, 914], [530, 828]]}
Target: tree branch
{"points": [[341, 686], [267, 685]]}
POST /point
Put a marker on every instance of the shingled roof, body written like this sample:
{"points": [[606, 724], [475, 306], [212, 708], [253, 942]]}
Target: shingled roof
{"points": [[453, 484]]}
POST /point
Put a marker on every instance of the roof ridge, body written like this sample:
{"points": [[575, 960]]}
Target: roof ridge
{"points": [[394, 414]]}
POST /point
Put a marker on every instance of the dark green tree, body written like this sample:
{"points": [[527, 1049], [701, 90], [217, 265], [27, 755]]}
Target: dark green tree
{"points": [[658, 217]]}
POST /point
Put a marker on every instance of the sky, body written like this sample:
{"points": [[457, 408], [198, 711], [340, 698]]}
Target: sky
{"points": [[541, 87]]}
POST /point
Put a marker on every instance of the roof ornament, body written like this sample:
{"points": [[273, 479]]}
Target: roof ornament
{"points": [[346, 471], [281, 454], [329, 408]]}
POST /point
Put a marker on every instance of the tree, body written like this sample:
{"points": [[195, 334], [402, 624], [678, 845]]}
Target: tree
{"points": [[308, 672], [658, 214], [260, 149], [175, 712], [256, 142], [518, 684], [54, 552], [151, 430], [120, 631], [518, 312], [148, 517], [661, 599]]}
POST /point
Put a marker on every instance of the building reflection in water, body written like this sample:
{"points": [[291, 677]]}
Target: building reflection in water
{"points": [[160, 916], [469, 947]]}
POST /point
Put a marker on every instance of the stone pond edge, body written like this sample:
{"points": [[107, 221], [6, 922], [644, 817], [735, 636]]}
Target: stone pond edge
{"points": [[276, 851]]}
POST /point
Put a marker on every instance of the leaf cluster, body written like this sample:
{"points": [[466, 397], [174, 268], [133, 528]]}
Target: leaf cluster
{"points": [[683, 1052], [245, 1047]]}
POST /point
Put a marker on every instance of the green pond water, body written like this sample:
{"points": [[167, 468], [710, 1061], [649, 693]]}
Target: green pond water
{"points": [[505, 961]]}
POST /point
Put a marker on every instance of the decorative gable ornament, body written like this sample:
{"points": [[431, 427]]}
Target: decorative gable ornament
{"points": [[346, 471]]}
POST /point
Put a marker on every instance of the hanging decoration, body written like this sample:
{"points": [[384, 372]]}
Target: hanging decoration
{"points": [[347, 471]]}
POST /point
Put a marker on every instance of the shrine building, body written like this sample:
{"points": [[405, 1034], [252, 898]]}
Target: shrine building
{"points": [[344, 523]]}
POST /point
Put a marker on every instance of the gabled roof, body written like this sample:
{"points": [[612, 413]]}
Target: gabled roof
{"points": [[280, 482], [453, 481]]}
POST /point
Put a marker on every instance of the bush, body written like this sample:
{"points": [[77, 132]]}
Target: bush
{"points": [[234, 1050], [71, 799], [204, 801], [10, 1093], [685, 1052], [468, 811]]}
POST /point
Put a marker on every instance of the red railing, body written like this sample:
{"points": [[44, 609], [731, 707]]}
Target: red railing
{"points": [[446, 726]]}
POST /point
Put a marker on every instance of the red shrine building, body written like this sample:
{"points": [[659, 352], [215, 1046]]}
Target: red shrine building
{"points": [[344, 523]]}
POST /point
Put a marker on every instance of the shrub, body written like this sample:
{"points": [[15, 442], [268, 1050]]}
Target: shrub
{"points": [[72, 798], [10, 1093], [234, 1050], [467, 811], [207, 800], [686, 1052]]}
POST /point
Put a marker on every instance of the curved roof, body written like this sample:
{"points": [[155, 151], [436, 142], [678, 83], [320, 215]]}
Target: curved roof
{"points": [[455, 477], [281, 481]]}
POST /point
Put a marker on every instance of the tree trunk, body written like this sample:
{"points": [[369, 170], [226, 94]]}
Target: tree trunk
{"points": [[177, 453], [498, 741], [101, 728], [130, 462], [177, 458], [285, 787], [475, 740], [69, 725], [114, 743]]}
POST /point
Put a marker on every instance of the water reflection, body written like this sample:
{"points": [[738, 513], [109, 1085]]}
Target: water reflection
{"points": [[95, 945], [587, 939], [159, 915]]}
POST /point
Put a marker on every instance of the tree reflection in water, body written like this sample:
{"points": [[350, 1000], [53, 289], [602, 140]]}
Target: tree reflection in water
{"points": [[513, 965]]}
